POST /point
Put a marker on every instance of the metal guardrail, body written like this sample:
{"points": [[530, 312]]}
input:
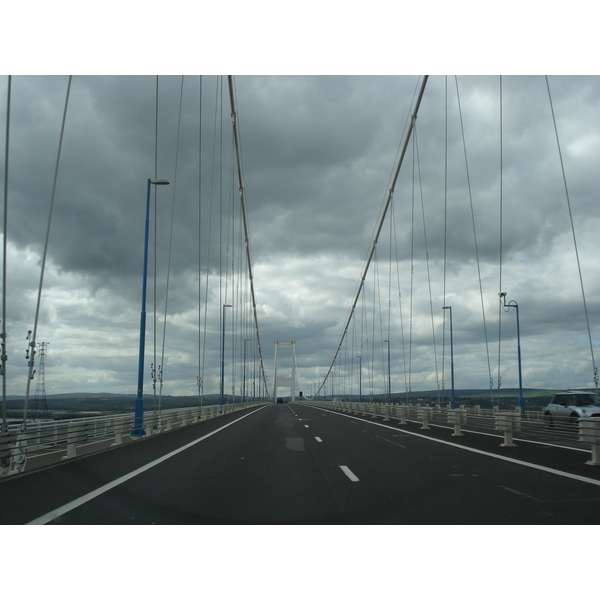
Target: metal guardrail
{"points": [[530, 425], [16, 444]]}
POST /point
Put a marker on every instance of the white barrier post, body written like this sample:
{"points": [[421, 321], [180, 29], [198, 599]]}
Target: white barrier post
{"points": [[402, 410], [425, 413], [589, 431], [386, 413], [76, 433], [457, 417], [509, 423]]}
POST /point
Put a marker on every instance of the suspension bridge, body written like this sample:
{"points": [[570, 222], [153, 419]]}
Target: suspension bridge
{"points": [[372, 433]]}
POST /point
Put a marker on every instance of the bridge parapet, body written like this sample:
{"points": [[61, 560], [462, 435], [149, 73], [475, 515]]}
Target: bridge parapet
{"points": [[45, 437]]}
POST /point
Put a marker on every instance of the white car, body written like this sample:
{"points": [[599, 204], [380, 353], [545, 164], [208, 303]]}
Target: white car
{"points": [[573, 405]]}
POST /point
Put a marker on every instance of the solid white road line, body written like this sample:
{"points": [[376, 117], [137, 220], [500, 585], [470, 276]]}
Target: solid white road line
{"points": [[318, 439], [349, 474], [109, 486]]}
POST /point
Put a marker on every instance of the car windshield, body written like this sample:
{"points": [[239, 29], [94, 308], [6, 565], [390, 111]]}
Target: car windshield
{"points": [[585, 400]]}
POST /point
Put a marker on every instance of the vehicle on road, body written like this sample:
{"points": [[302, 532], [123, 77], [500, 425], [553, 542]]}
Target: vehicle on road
{"points": [[573, 406]]}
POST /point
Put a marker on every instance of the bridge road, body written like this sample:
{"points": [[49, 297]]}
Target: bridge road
{"points": [[296, 464]]}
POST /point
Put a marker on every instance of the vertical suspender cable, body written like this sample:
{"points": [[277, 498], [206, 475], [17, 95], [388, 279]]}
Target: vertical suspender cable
{"points": [[587, 320], [380, 224], [164, 335], [245, 223], [44, 256], [200, 377], [445, 227], [210, 228], [4, 265], [487, 350], [437, 379], [499, 376], [154, 365]]}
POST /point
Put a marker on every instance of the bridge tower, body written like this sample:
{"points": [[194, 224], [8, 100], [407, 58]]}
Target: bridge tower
{"points": [[40, 406], [290, 381]]}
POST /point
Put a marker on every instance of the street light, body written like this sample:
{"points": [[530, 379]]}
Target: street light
{"points": [[223, 356], [389, 373], [452, 400], [138, 423], [513, 304]]}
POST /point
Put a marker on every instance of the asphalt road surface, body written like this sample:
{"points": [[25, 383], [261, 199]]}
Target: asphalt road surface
{"points": [[295, 464]]}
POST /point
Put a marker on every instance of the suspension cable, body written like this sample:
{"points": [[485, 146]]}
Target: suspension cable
{"points": [[43, 266], [445, 232], [245, 222], [587, 320], [164, 335], [200, 378], [500, 258], [3, 355], [487, 350], [437, 379], [154, 365], [379, 225]]}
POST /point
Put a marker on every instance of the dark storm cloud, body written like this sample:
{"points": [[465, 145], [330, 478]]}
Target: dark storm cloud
{"points": [[317, 153]]}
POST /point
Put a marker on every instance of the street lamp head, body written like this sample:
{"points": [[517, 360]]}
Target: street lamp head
{"points": [[159, 182], [446, 307], [227, 306]]}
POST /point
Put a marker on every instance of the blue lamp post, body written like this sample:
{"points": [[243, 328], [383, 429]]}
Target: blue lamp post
{"points": [[513, 304], [138, 423], [223, 357], [389, 373], [452, 400]]}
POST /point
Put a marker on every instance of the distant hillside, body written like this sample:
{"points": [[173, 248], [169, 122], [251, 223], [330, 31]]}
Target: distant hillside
{"points": [[105, 403]]}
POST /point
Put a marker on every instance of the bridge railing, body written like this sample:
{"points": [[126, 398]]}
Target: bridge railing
{"points": [[530, 425], [46, 436]]}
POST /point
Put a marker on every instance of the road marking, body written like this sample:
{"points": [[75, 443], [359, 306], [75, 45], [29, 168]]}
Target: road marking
{"points": [[483, 452], [349, 474], [306, 426], [395, 443], [318, 439], [53, 514]]}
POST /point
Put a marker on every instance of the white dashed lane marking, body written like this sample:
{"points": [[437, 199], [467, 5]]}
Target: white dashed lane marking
{"points": [[349, 474]]}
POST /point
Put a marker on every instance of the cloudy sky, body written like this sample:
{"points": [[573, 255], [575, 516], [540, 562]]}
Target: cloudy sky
{"points": [[317, 153]]}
